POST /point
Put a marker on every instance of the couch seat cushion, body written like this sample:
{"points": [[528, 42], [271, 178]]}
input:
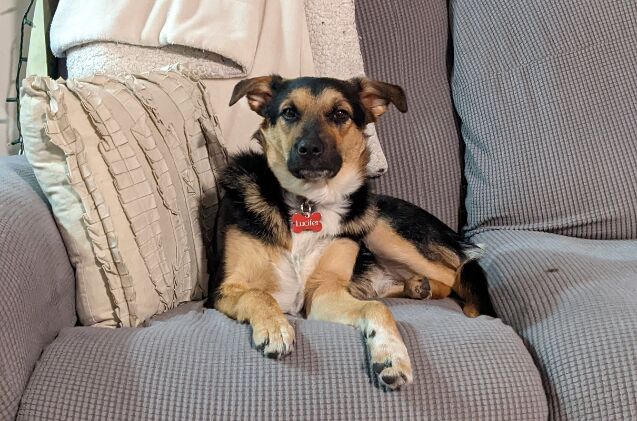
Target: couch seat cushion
{"points": [[575, 304], [200, 365]]}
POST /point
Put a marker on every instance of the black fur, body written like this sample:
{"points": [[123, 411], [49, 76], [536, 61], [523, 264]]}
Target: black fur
{"points": [[475, 287], [252, 167], [417, 225]]}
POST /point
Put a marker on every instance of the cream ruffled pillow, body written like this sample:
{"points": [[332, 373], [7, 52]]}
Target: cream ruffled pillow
{"points": [[130, 167]]}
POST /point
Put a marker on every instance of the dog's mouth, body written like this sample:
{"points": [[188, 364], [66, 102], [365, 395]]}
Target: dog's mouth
{"points": [[313, 175]]}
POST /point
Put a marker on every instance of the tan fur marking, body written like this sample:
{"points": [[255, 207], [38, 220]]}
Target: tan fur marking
{"points": [[335, 266], [470, 310], [252, 276], [300, 98], [447, 257], [439, 290], [328, 298], [362, 224], [386, 244], [246, 293]]}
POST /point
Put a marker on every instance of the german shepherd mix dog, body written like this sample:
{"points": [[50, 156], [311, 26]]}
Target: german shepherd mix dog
{"points": [[299, 231]]}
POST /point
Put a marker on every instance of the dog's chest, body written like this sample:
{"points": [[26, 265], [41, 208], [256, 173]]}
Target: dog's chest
{"points": [[295, 266]]}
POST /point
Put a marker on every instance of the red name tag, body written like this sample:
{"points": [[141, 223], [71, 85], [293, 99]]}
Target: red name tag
{"points": [[301, 223]]}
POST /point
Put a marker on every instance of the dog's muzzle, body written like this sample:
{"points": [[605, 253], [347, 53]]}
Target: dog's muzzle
{"points": [[312, 158]]}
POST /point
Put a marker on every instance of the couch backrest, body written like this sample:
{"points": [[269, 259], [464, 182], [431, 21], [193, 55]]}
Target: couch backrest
{"points": [[406, 43], [547, 97]]}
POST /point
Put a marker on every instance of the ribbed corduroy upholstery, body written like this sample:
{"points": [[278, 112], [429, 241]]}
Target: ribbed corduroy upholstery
{"points": [[547, 95], [37, 296], [200, 366], [405, 42], [574, 302]]}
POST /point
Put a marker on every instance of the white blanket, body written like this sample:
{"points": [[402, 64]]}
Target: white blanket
{"points": [[229, 28]]}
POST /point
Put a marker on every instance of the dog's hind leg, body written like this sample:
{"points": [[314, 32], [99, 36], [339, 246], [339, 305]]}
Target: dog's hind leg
{"points": [[442, 267], [392, 249], [328, 298], [246, 294]]}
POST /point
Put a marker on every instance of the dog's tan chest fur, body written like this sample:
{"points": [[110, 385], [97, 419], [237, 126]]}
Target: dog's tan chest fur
{"points": [[295, 266]]}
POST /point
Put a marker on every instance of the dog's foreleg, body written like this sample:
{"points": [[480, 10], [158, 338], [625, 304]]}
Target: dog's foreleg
{"points": [[328, 298], [245, 294]]}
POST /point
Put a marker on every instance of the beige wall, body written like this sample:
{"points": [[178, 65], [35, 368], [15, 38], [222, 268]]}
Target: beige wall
{"points": [[11, 12]]}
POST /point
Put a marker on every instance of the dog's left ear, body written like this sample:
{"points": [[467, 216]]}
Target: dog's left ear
{"points": [[257, 89], [376, 97]]}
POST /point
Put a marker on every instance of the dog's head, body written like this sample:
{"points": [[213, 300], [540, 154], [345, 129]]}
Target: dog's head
{"points": [[312, 129]]}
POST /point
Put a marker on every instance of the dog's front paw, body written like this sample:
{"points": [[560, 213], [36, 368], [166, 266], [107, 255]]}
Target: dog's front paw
{"points": [[389, 359], [273, 336]]}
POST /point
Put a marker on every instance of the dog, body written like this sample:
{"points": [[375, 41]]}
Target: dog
{"points": [[300, 232]]}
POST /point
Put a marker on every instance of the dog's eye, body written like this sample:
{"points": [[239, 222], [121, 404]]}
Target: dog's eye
{"points": [[289, 114], [340, 116]]}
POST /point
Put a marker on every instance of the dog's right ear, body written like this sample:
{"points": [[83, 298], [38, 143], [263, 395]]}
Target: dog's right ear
{"points": [[258, 90]]}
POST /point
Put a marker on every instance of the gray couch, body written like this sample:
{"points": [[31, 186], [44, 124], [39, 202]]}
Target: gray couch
{"points": [[564, 347]]}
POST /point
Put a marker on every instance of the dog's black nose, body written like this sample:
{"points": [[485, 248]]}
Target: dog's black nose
{"points": [[309, 148], [312, 158]]}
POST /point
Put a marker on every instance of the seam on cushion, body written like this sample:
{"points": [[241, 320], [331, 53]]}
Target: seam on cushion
{"points": [[131, 185], [563, 226], [103, 239], [476, 84], [182, 269]]}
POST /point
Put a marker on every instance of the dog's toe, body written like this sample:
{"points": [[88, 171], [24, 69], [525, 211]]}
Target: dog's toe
{"points": [[274, 337]]}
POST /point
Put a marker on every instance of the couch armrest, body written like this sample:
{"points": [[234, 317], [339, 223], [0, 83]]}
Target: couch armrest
{"points": [[37, 296]]}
